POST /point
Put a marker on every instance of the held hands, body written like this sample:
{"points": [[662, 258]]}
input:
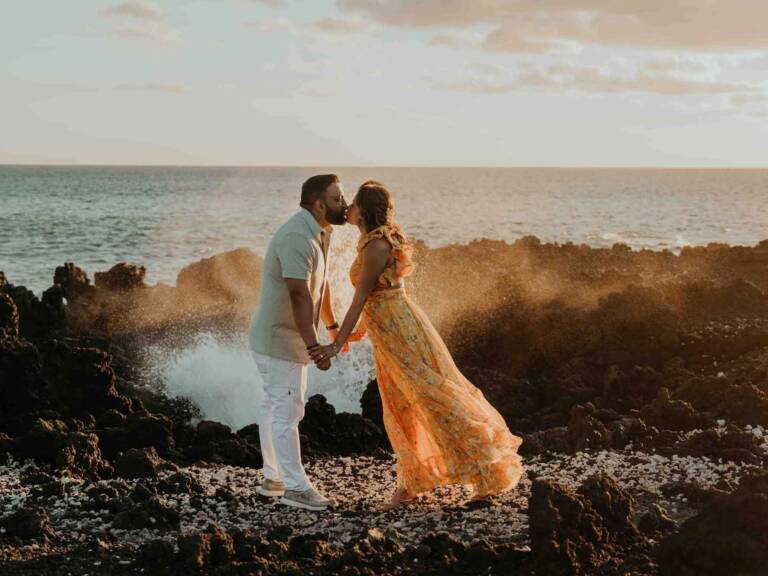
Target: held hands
{"points": [[324, 364], [321, 355]]}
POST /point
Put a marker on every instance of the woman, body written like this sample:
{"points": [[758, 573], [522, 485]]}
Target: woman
{"points": [[441, 427]]}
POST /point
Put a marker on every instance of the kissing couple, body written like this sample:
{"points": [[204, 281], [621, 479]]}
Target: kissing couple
{"points": [[441, 427]]}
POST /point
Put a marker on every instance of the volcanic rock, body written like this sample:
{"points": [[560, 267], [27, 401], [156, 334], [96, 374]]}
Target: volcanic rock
{"points": [[215, 442], [370, 403], [323, 431], [9, 316], [585, 431], [121, 277], [140, 430], [21, 382], [42, 442], [181, 483], [578, 532], [209, 548], [209, 431], [151, 513], [138, 463], [668, 414], [111, 419], [730, 536], [655, 523], [731, 444], [36, 319], [28, 525], [73, 281], [82, 380], [630, 388], [155, 555], [80, 455], [550, 440]]}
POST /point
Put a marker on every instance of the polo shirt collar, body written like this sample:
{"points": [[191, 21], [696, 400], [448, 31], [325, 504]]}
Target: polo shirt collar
{"points": [[313, 224]]}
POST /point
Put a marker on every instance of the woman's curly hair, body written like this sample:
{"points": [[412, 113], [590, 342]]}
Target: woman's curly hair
{"points": [[375, 204], [376, 210]]}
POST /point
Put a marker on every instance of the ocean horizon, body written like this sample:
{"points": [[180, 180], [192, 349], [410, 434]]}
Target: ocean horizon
{"points": [[166, 217]]}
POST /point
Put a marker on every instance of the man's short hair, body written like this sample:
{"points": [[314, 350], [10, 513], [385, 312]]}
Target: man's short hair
{"points": [[314, 188]]}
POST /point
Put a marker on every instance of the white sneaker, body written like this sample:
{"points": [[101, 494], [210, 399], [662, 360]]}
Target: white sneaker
{"points": [[309, 499], [271, 488]]}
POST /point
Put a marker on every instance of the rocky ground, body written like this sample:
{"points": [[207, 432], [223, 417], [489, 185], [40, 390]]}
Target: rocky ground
{"points": [[638, 381], [100, 527]]}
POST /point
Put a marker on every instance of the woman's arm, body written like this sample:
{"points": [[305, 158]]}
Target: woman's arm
{"points": [[359, 333], [326, 309], [375, 256], [328, 317]]}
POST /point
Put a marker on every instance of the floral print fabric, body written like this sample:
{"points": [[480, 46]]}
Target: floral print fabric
{"points": [[441, 427]]}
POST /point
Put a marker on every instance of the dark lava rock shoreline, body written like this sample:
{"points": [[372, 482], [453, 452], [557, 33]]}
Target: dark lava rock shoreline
{"points": [[638, 380]]}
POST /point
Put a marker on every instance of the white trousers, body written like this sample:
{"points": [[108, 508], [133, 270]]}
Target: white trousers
{"points": [[282, 408]]}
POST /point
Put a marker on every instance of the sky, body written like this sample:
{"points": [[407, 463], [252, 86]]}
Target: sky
{"points": [[385, 82]]}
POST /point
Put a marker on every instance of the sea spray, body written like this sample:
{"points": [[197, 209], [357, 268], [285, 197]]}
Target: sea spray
{"points": [[220, 376]]}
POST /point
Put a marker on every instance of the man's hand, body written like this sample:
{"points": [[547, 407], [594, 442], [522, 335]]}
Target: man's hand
{"points": [[323, 364], [322, 353]]}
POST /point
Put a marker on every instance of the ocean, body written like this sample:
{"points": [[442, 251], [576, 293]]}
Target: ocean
{"points": [[167, 217]]}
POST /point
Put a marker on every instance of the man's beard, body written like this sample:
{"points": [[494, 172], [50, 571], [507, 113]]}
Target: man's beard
{"points": [[336, 218]]}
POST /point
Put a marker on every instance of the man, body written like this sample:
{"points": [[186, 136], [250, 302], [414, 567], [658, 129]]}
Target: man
{"points": [[294, 297]]}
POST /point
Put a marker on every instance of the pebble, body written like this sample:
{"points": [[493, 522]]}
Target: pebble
{"points": [[361, 495]]}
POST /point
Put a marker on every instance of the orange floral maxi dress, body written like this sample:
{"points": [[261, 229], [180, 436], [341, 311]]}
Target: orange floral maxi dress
{"points": [[441, 427]]}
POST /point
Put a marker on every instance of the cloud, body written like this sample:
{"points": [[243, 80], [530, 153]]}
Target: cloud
{"points": [[273, 26], [325, 28], [140, 20], [544, 25], [340, 26], [154, 87], [428, 13], [138, 9], [592, 79], [750, 99], [314, 92], [677, 65], [150, 31], [453, 41]]}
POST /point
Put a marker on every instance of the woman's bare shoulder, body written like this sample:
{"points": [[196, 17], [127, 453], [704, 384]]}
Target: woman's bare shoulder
{"points": [[377, 246]]}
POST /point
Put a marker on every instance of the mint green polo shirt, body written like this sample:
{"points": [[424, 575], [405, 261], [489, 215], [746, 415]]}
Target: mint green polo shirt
{"points": [[299, 250]]}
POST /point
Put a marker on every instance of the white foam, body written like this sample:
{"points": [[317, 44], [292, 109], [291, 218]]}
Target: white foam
{"points": [[221, 378]]}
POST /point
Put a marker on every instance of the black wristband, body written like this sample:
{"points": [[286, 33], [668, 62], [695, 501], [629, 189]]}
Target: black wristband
{"points": [[315, 345], [334, 326]]}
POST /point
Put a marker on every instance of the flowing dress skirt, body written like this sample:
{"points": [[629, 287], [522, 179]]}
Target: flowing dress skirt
{"points": [[441, 427]]}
